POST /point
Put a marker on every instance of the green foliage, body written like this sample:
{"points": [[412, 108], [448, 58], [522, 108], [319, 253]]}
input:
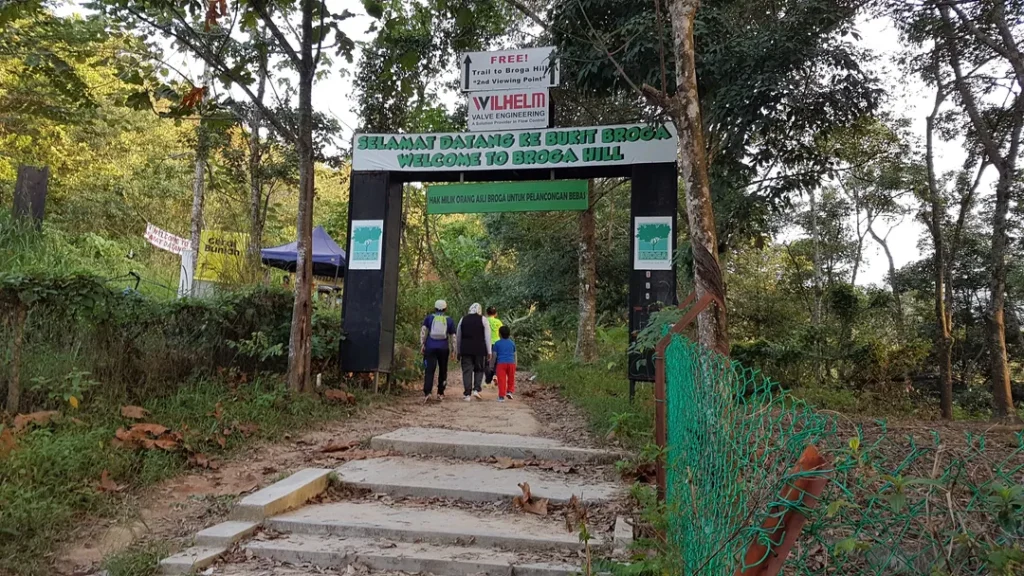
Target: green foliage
{"points": [[50, 479], [886, 507], [773, 83], [83, 339], [602, 393], [142, 560]]}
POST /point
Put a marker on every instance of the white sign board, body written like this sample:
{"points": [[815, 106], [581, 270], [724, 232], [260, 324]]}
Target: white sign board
{"points": [[652, 243], [516, 150], [509, 69], [185, 275], [367, 245], [166, 241], [509, 109]]}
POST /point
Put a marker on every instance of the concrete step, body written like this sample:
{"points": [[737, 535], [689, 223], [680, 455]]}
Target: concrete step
{"points": [[190, 560], [336, 552], [442, 526], [473, 445], [281, 496], [400, 476]]}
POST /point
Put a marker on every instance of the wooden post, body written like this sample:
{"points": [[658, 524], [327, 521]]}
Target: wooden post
{"points": [[761, 560], [660, 389]]}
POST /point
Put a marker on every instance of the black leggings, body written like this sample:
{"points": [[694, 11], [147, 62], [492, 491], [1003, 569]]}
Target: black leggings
{"points": [[436, 359]]}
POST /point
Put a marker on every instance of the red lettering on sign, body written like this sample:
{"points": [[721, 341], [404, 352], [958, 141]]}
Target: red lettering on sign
{"points": [[516, 101], [509, 59]]}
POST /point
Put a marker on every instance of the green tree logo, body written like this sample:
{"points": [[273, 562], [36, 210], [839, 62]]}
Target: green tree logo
{"points": [[367, 235], [653, 237], [366, 242]]}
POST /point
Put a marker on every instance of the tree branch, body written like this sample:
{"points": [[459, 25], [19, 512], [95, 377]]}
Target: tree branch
{"points": [[277, 34], [970, 103], [203, 52]]}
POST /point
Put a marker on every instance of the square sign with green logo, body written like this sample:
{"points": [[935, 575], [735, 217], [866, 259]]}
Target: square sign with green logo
{"points": [[367, 241], [652, 248]]}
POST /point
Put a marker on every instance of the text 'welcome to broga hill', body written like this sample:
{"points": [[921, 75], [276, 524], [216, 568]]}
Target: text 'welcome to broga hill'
{"points": [[531, 148]]}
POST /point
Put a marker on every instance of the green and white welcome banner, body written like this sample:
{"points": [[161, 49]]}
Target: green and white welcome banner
{"points": [[516, 149]]}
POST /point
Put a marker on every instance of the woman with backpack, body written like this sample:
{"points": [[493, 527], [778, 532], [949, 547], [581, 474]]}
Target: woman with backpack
{"points": [[437, 338]]}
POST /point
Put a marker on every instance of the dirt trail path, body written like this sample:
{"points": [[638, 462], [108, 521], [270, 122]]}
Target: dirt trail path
{"points": [[177, 508]]}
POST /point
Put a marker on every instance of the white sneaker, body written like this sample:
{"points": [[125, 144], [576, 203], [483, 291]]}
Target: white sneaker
{"points": [[477, 395], [501, 399], [467, 398], [440, 397], [509, 396]]}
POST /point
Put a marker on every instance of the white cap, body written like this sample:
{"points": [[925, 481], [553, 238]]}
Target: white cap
{"points": [[440, 305]]}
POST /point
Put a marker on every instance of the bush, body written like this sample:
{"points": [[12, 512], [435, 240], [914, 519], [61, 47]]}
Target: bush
{"points": [[82, 338], [51, 476]]}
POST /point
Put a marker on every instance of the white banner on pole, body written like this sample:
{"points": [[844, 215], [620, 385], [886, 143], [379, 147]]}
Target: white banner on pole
{"points": [[185, 274], [164, 240]]}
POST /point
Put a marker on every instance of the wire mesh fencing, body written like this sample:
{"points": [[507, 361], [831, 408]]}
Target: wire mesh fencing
{"points": [[892, 501]]}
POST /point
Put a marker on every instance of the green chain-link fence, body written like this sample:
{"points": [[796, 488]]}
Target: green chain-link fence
{"points": [[908, 501]]}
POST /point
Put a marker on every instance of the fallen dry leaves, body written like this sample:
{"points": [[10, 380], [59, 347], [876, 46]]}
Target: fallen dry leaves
{"points": [[23, 421], [340, 396], [503, 463], [218, 412], [575, 514], [203, 461], [561, 467], [134, 412], [247, 429], [350, 455], [331, 447], [148, 437], [7, 442], [108, 485], [528, 503]]}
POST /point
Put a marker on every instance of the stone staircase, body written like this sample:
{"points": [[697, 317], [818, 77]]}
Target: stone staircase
{"points": [[433, 510]]}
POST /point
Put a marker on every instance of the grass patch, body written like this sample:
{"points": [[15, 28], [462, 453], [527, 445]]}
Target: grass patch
{"points": [[51, 477], [603, 395], [143, 560]]}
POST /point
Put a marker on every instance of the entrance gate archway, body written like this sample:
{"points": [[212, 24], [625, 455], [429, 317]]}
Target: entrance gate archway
{"points": [[382, 163]]}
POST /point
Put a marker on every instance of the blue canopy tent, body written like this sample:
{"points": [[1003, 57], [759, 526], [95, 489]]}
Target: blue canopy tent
{"points": [[328, 258]]}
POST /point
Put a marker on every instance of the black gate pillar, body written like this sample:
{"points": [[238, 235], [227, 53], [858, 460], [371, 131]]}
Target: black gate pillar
{"points": [[371, 292], [654, 193]]}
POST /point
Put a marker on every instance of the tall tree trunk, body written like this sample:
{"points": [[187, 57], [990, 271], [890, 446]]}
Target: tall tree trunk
{"points": [[299, 353], [199, 183], [14, 385], [1005, 163], [684, 109], [1001, 394], [586, 344], [893, 282], [943, 339], [256, 211]]}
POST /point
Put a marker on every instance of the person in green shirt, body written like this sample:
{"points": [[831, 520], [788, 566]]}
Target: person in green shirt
{"points": [[492, 319]]}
